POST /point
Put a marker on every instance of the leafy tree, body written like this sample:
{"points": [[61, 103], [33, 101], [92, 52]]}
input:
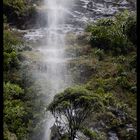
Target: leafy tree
{"points": [[71, 107]]}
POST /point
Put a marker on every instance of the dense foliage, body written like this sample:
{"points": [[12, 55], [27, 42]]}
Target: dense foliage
{"points": [[114, 34], [105, 65], [21, 109], [19, 13], [72, 107]]}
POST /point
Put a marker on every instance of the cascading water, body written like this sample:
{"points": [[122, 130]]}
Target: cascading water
{"points": [[53, 52]]}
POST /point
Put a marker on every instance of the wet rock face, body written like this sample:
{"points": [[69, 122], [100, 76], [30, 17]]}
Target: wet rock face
{"points": [[94, 9], [84, 11], [54, 133], [90, 5], [112, 136]]}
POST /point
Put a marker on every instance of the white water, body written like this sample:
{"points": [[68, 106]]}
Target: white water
{"points": [[53, 52]]}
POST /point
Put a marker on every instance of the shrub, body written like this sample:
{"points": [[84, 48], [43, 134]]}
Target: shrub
{"points": [[121, 59], [109, 39], [105, 22], [19, 12], [14, 109], [9, 41], [89, 133], [123, 82], [133, 62], [100, 54], [10, 53], [108, 34], [13, 9], [12, 91], [130, 29]]}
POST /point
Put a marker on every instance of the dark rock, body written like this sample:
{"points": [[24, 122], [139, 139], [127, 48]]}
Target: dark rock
{"points": [[90, 5], [54, 133], [27, 48], [112, 136]]}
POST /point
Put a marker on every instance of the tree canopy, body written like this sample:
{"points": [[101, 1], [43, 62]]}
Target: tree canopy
{"points": [[71, 107]]}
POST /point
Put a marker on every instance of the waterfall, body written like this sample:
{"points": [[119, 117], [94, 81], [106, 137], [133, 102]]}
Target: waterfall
{"points": [[53, 52]]}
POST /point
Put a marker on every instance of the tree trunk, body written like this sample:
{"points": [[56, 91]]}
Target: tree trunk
{"points": [[72, 135]]}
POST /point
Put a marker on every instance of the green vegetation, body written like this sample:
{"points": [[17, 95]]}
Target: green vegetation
{"points": [[14, 110], [107, 73], [130, 29], [10, 55], [114, 34], [75, 104], [19, 13], [22, 106], [78, 107]]}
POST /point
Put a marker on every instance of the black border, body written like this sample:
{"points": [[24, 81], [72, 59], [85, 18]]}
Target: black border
{"points": [[138, 71], [1, 70]]}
